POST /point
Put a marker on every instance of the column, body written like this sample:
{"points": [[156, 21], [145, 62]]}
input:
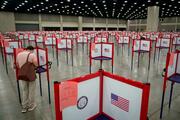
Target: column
{"points": [[61, 23], [80, 22], [40, 23], [94, 22], [153, 18]]}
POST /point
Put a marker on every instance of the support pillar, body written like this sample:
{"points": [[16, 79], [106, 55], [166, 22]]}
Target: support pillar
{"points": [[153, 19], [80, 23]]}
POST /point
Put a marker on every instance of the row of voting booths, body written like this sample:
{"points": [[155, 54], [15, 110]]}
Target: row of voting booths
{"points": [[10, 48]]}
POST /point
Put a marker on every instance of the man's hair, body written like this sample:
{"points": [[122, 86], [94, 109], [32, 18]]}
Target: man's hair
{"points": [[30, 48]]}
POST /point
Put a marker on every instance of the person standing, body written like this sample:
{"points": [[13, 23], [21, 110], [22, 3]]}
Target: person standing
{"points": [[28, 87]]}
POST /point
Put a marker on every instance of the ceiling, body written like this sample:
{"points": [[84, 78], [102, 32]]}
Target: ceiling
{"points": [[120, 9]]}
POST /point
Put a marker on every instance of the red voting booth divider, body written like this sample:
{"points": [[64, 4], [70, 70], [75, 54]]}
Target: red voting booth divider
{"points": [[96, 95], [43, 66], [141, 46], [64, 44], [172, 73], [101, 51]]}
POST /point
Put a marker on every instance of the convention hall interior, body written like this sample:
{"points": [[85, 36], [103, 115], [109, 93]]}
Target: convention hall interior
{"points": [[96, 59]]}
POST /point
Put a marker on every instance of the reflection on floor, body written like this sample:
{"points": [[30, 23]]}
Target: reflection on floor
{"points": [[9, 104]]}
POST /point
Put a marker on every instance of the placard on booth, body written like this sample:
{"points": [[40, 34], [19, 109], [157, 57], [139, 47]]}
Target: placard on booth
{"points": [[101, 51], [100, 39], [107, 98]]}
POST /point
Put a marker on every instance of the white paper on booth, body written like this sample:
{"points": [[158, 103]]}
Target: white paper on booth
{"points": [[32, 37], [164, 42], [145, 45], [107, 50], [172, 68], [96, 52], [49, 41], [39, 39], [178, 64], [62, 43], [42, 57], [176, 40], [69, 43], [11, 46], [90, 105], [129, 107], [136, 45]]}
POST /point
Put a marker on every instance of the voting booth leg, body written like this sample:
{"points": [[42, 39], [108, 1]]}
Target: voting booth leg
{"points": [[72, 57], [49, 92], [132, 63], [171, 92], [57, 58], [162, 105], [159, 54], [40, 86], [6, 65], [100, 64], [112, 68], [2, 55], [19, 94], [90, 68], [117, 49], [154, 55], [53, 51], [67, 56], [56, 98]]}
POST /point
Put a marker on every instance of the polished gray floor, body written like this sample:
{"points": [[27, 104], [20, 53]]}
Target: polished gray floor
{"points": [[10, 108]]}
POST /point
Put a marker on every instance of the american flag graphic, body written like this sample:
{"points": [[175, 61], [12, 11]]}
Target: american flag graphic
{"points": [[42, 58], [120, 102]]}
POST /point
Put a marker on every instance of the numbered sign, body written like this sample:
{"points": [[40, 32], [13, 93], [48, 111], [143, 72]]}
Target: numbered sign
{"points": [[163, 42]]}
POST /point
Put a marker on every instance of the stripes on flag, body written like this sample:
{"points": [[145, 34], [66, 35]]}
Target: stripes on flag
{"points": [[120, 102]]}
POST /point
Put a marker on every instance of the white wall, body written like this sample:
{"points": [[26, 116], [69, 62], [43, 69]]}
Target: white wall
{"points": [[7, 22]]}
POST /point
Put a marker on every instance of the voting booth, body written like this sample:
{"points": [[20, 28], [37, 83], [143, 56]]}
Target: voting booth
{"points": [[8, 46], [99, 39], [65, 44], [43, 67], [172, 74], [123, 40], [141, 46], [83, 40], [101, 51], [162, 43], [101, 94], [176, 41]]}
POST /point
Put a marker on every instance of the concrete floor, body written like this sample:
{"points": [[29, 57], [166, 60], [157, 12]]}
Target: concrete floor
{"points": [[10, 108]]}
